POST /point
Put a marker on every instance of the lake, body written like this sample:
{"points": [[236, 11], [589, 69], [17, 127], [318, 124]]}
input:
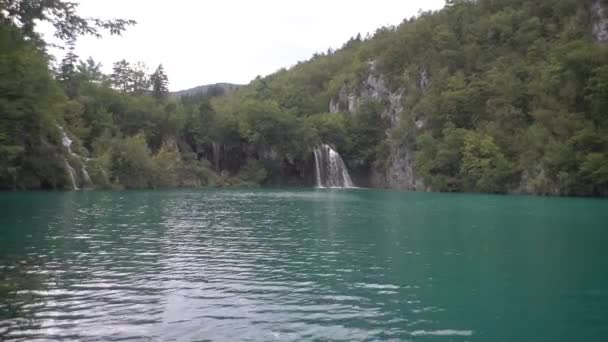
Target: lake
{"points": [[289, 264]]}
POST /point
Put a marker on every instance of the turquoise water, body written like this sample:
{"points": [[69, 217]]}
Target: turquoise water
{"points": [[284, 265]]}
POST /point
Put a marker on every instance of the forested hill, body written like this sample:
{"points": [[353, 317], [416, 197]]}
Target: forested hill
{"points": [[212, 90], [500, 96]]}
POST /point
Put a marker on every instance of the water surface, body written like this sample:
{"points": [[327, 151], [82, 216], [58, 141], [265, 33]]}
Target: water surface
{"points": [[283, 265]]}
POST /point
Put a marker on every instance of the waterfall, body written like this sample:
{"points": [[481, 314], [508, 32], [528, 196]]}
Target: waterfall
{"points": [[216, 150], [66, 141], [331, 171], [318, 166], [71, 173], [85, 174], [67, 144]]}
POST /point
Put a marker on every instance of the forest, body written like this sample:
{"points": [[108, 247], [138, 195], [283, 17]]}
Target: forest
{"points": [[492, 96]]}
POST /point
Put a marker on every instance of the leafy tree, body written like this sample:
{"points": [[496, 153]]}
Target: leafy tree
{"points": [[30, 103], [90, 71], [26, 14], [367, 130], [131, 163], [595, 169], [331, 129], [265, 126], [484, 167], [597, 94], [130, 78], [439, 158]]}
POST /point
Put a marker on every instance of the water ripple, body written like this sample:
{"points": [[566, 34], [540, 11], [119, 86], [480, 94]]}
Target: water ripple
{"points": [[241, 265]]}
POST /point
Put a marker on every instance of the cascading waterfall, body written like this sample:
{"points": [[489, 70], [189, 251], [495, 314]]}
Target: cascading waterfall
{"points": [[318, 166], [85, 174], [66, 141], [216, 150], [72, 174], [67, 144], [331, 171]]}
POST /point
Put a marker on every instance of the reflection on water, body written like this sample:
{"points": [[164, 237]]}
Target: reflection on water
{"points": [[21, 282], [301, 265]]}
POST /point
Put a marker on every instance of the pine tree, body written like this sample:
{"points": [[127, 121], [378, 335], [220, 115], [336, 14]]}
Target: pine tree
{"points": [[66, 74], [122, 76], [160, 83]]}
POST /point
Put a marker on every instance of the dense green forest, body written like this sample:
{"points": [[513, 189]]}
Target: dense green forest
{"points": [[500, 96]]}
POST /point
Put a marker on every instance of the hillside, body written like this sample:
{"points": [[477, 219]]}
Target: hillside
{"points": [[483, 96], [215, 89]]}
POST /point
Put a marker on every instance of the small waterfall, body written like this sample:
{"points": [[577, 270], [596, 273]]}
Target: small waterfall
{"points": [[318, 166], [66, 141], [331, 171], [85, 174], [216, 150], [67, 144], [72, 173]]}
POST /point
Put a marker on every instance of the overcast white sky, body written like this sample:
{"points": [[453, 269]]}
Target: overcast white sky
{"points": [[202, 42]]}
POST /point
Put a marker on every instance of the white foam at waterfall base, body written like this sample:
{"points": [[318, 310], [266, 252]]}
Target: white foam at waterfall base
{"points": [[331, 171]]}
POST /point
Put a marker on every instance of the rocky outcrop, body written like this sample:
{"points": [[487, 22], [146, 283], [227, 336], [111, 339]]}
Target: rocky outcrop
{"points": [[599, 12], [373, 88], [400, 173], [400, 169]]}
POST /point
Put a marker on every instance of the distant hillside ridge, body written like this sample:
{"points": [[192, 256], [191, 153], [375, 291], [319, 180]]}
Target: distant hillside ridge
{"points": [[211, 89]]}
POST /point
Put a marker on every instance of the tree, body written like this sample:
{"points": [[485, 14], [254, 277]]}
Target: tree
{"points": [[160, 83], [484, 167], [90, 71], [132, 164], [140, 78], [67, 73], [132, 79], [367, 131], [438, 159], [597, 90], [122, 77], [595, 168], [30, 104], [25, 14]]}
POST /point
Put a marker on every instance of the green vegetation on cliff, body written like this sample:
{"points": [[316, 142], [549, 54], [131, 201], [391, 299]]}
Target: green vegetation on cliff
{"points": [[484, 96]]}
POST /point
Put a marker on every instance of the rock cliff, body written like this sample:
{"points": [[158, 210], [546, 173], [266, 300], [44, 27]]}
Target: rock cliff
{"points": [[399, 171], [599, 12]]}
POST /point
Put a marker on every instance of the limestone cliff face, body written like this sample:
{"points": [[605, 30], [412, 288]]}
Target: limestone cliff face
{"points": [[373, 88], [400, 172], [599, 13]]}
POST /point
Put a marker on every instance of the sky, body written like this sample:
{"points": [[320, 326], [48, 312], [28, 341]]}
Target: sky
{"points": [[204, 42]]}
